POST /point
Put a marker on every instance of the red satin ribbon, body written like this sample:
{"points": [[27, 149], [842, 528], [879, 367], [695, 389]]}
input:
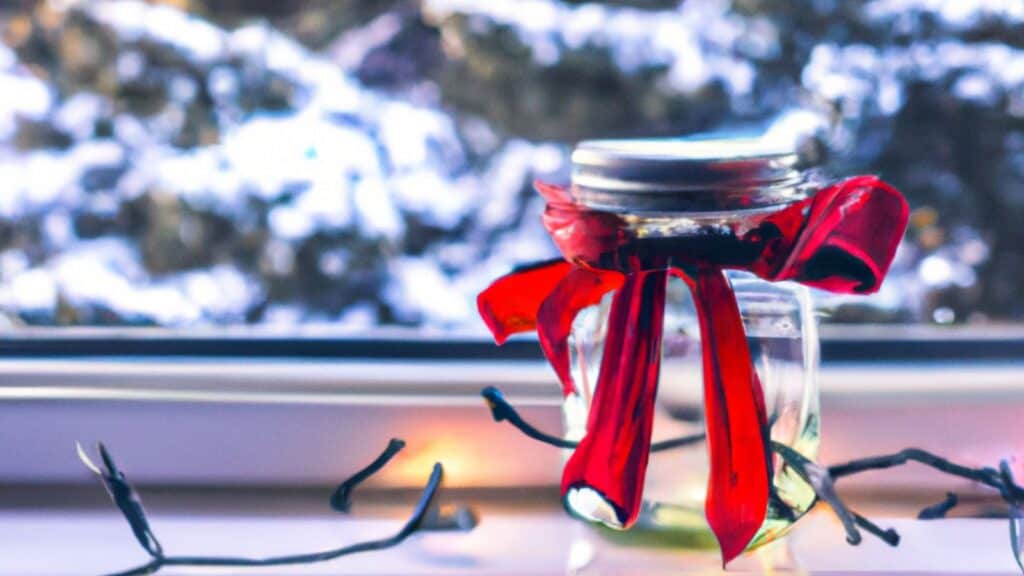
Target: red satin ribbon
{"points": [[841, 239], [619, 425]]}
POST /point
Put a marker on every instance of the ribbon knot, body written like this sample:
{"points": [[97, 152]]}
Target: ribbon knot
{"points": [[841, 239]]}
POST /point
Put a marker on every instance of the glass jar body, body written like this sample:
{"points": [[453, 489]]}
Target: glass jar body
{"points": [[782, 336]]}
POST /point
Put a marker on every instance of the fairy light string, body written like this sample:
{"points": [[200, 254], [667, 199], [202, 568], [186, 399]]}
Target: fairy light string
{"points": [[425, 515], [822, 479]]}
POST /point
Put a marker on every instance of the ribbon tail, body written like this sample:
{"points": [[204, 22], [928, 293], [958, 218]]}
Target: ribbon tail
{"points": [[579, 289], [511, 303], [603, 480], [735, 417]]}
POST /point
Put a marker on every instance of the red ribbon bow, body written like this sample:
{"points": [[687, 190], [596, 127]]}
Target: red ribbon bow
{"points": [[841, 239]]}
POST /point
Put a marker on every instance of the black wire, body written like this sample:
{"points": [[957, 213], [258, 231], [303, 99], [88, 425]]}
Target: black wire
{"points": [[122, 493], [888, 535], [819, 480], [1015, 517], [125, 498], [410, 527], [939, 510], [341, 499], [503, 411], [148, 568], [1006, 475], [678, 442], [912, 455]]}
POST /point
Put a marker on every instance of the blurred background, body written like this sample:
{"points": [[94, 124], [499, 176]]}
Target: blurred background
{"points": [[363, 163], [223, 186]]}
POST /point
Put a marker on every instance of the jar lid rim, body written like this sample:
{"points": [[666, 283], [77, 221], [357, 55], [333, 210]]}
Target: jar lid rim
{"points": [[678, 149], [702, 173]]}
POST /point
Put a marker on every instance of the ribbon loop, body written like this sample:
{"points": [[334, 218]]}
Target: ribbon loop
{"points": [[842, 239]]}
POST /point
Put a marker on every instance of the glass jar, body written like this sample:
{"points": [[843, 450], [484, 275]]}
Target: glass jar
{"points": [[681, 193], [653, 235]]}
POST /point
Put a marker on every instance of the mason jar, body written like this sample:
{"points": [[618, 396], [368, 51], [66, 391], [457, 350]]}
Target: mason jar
{"points": [[672, 190]]}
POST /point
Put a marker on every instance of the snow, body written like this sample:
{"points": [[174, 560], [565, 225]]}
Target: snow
{"points": [[24, 97], [423, 292], [504, 178], [341, 159], [221, 292], [57, 228], [195, 38], [77, 115], [291, 223], [350, 49], [101, 274], [790, 128], [937, 271], [270, 48], [105, 274], [695, 41], [375, 209], [33, 290], [959, 14], [345, 160], [864, 78]]}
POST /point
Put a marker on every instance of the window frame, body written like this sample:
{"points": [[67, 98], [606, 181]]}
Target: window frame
{"points": [[173, 405]]}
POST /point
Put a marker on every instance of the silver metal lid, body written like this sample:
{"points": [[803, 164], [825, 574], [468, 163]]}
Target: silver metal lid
{"points": [[685, 175]]}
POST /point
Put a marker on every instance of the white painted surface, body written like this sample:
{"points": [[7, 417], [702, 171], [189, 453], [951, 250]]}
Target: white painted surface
{"points": [[539, 542]]}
